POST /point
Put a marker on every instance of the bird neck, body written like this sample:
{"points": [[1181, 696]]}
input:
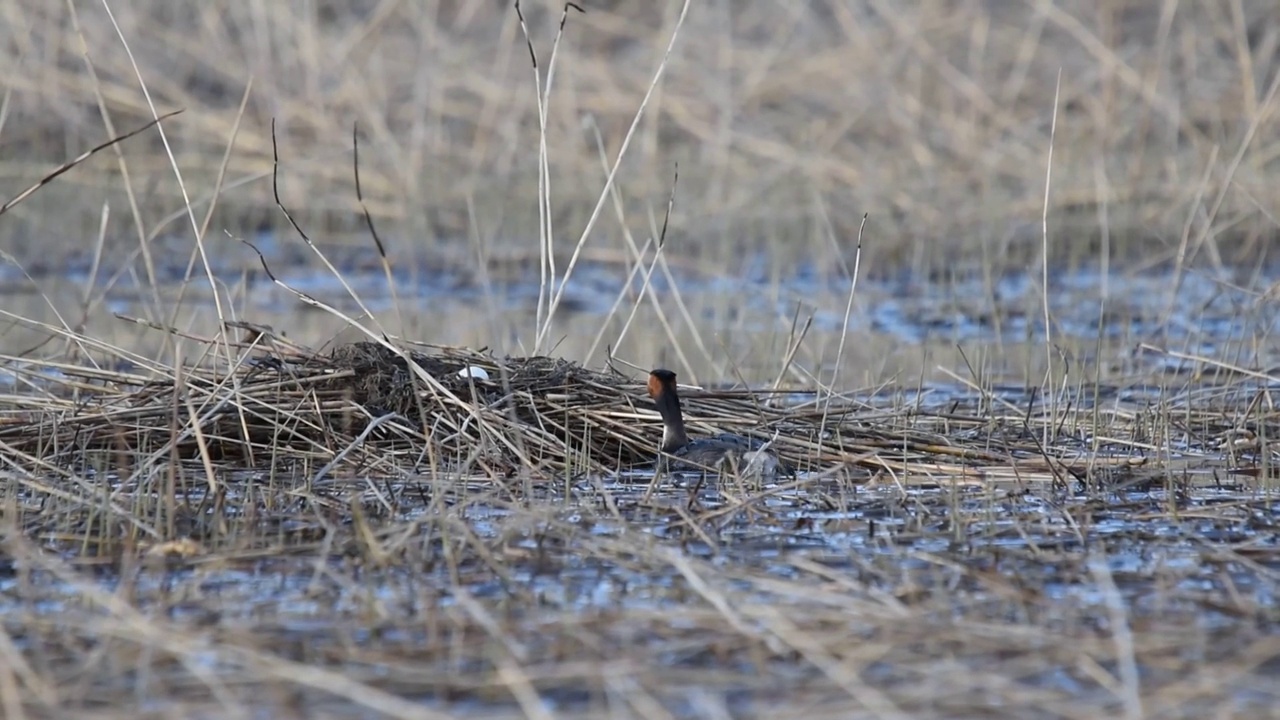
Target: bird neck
{"points": [[673, 435]]}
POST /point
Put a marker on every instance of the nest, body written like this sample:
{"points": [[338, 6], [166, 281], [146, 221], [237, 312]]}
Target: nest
{"points": [[363, 400], [364, 407]]}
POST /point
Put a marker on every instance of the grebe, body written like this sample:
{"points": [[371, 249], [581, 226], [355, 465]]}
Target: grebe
{"points": [[712, 453]]}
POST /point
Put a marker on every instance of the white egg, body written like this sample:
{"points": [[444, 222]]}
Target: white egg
{"points": [[473, 371]]}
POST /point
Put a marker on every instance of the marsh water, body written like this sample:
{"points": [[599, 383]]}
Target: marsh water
{"points": [[1205, 557], [1187, 540], [714, 323]]}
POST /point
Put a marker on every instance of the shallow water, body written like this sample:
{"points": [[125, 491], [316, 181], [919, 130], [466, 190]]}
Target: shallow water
{"points": [[1183, 541], [616, 550], [729, 322]]}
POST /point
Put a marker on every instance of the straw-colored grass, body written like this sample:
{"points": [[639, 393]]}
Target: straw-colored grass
{"points": [[214, 518], [788, 126], [348, 533], [368, 408], [788, 122]]}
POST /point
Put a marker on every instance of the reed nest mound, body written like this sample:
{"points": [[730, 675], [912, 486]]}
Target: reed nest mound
{"points": [[366, 407]]}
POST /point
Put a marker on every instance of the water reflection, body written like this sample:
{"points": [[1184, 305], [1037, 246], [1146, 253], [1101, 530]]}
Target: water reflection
{"points": [[726, 319]]}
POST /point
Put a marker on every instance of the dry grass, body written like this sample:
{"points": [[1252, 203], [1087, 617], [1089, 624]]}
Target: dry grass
{"points": [[789, 122], [193, 525], [455, 624], [989, 554], [788, 125]]}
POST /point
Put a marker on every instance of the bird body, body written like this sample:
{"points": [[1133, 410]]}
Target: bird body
{"points": [[713, 453]]}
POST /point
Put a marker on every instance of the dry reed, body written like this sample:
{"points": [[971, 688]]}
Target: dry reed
{"points": [[246, 528]]}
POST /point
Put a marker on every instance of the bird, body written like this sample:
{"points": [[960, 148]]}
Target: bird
{"points": [[714, 453]]}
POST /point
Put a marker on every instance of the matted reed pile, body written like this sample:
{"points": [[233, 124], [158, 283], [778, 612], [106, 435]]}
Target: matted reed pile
{"points": [[366, 407]]}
